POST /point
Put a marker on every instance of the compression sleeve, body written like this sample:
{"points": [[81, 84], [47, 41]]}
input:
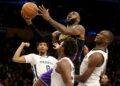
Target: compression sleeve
{"points": [[47, 38]]}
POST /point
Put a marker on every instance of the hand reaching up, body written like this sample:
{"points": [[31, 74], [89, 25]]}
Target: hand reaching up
{"points": [[43, 12]]}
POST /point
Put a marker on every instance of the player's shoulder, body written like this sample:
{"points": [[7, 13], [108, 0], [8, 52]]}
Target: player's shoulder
{"points": [[64, 62], [52, 58], [34, 55], [98, 52], [81, 27], [64, 59]]}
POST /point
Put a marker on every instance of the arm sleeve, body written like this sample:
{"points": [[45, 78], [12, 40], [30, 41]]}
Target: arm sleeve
{"points": [[36, 32], [48, 38]]}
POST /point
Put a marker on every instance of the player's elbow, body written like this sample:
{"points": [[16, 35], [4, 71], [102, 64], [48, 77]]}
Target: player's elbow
{"points": [[13, 59], [18, 59]]}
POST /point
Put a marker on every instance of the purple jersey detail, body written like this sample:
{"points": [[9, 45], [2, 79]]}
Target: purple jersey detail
{"points": [[46, 77]]}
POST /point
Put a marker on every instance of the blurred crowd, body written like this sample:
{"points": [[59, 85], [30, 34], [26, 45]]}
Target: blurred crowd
{"points": [[13, 74]]}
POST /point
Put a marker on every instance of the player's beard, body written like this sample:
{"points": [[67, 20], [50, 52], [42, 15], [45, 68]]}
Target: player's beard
{"points": [[98, 42], [72, 21]]}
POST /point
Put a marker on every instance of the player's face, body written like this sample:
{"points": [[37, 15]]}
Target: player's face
{"points": [[104, 79], [100, 37], [72, 16], [42, 47]]}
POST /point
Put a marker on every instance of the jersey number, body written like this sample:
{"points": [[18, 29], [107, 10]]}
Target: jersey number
{"points": [[47, 67]]}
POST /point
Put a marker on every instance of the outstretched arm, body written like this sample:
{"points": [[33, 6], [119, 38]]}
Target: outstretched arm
{"points": [[17, 58], [37, 33], [32, 27], [45, 14]]}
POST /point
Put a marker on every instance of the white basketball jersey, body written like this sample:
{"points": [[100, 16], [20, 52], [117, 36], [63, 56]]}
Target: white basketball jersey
{"points": [[56, 78], [93, 80], [40, 64]]}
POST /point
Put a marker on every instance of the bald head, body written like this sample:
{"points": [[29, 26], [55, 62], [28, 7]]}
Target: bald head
{"points": [[104, 37], [109, 36], [77, 14]]}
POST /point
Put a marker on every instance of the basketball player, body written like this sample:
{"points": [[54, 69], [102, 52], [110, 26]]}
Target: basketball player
{"points": [[63, 71], [45, 79], [40, 63], [73, 29], [95, 61]]}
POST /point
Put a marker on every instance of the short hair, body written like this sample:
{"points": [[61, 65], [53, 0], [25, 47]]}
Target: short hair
{"points": [[70, 47], [38, 42]]}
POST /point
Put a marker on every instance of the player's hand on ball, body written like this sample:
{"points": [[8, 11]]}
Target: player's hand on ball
{"points": [[28, 20], [29, 11], [43, 12]]}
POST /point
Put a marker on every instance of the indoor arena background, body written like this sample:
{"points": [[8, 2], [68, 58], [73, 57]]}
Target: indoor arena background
{"points": [[96, 15]]}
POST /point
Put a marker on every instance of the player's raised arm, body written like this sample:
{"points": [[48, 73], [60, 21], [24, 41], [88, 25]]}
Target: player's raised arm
{"points": [[36, 32], [31, 26], [17, 57], [62, 28]]}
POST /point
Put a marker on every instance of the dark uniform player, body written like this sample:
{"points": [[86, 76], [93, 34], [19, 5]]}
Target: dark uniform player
{"points": [[73, 29]]}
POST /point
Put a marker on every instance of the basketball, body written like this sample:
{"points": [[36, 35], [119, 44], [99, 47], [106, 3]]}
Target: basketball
{"points": [[29, 10]]}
